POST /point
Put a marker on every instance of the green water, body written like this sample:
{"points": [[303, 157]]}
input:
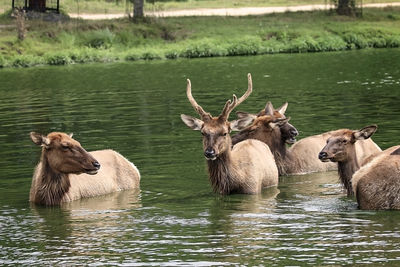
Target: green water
{"points": [[175, 219]]}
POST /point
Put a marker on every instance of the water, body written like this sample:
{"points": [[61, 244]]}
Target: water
{"points": [[175, 219]]}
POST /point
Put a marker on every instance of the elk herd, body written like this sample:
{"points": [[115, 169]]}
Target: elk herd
{"points": [[264, 148]]}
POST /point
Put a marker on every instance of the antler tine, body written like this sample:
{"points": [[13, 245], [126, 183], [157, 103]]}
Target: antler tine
{"points": [[249, 90], [192, 101], [229, 106]]}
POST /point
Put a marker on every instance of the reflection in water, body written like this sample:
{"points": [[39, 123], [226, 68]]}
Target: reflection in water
{"points": [[69, 233], [176, 219]]}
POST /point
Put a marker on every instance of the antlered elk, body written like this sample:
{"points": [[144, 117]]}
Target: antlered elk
{"points": [[271, 127], [302, 156], [247, 167], [344, 147], [377, 184], [68, 172]]}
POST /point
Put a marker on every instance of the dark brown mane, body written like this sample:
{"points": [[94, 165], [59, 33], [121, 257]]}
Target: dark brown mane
{"points": [[51, 186], [220, 175], [346, 171]]}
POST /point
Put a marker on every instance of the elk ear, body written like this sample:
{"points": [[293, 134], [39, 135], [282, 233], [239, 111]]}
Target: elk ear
{"points": [[365, 132], [279, 122], [282, 109], [193, 123], [71, 134], [396, 152], [242, 123], [242, 115], [39, 139], [269, 109]]}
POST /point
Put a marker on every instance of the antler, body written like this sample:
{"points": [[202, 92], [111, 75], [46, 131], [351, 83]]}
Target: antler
{"points": [[230, 105], [204, 115]]}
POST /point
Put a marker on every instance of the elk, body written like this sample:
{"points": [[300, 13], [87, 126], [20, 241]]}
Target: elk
{"points": [[67, 172], [271, 127], [377, 184], [302, 156], [341, 147], [244, 168]]}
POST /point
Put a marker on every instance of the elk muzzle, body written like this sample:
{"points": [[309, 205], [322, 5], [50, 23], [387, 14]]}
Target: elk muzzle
{"points": [[323, 156], [210, 154], [96, 168], [289, 133]]}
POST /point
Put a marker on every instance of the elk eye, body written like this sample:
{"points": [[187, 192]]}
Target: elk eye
{"points": [[344, 141], [64, 146], [224, 134]]}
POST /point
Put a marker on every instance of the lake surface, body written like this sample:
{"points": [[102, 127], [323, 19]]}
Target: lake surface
{"points": [[175, 219]]}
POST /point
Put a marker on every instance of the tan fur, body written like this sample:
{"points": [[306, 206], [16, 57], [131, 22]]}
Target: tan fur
{"points": [[377, 184], [247, 167], [255, 166], [116, 173], [303, 156], [305, 152], [350, 149]]}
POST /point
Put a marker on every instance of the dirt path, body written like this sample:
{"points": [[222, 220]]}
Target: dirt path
{"points": [[244, 11]]}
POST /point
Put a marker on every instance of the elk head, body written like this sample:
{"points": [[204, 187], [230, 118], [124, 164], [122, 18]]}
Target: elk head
{"points": [[64, 154], [272, 120], [216, 130], [340, 145]]}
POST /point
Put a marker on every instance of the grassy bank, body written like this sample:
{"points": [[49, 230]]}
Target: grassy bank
{"points": [[77, 41], [120, 6]]}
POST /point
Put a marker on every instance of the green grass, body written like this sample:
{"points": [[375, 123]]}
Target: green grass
{"points": [[78, 41], [120, 6]]}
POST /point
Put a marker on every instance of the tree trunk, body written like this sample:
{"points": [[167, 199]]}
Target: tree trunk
{"points": [[137, 9], [37, 5], [346, 7]]}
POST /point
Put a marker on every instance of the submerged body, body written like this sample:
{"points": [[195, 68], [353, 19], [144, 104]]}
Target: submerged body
{"points": [[351, 149], [66, 172], [248, 166], [271, 127], [377, 184], [244, 169], [303, 155]]}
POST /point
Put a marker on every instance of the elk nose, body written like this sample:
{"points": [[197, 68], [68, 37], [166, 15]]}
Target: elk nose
{"points": [[96, 164], [209, 153], [322, 155], [294, 132]]}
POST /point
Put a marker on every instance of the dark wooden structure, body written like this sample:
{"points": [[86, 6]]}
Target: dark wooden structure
{"points": [[348, 7], [37, 5]]}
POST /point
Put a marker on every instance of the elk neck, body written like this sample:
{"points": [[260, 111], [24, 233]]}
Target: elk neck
{"points": [[51, 185], [222, 173], [346, 169]]}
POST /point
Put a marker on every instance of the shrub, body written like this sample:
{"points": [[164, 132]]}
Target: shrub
{"points": [[172, 54], [61, 58], [84, 56], [25, 61], [247, 46], [132, 56], [331, 43], [2, 62], [203, 48], [355, 40], [151, 55], [99, 39], [393, 41]]}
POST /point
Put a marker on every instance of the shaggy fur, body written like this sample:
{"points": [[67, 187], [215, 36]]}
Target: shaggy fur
{"points": [[377, 184], [234, 172], [50, 186], [349, 153]]}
